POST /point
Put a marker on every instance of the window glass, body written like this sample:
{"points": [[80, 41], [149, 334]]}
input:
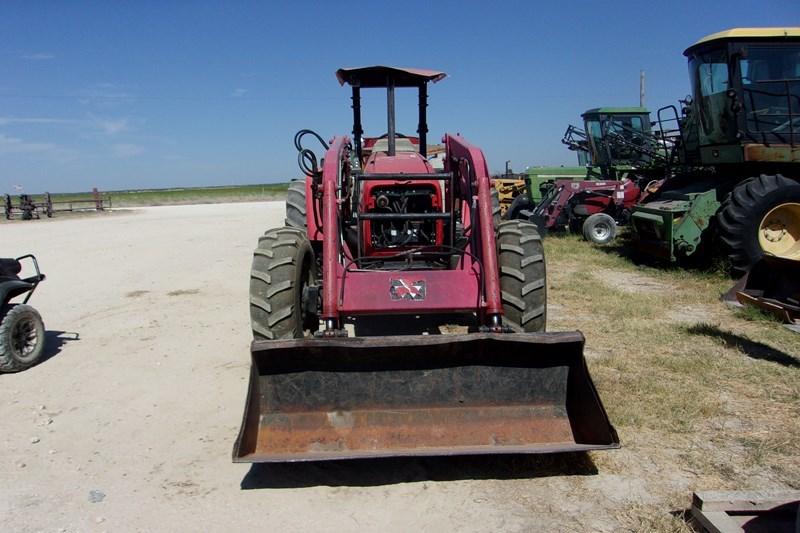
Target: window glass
{"points": [[713, 78], [771, 89]]}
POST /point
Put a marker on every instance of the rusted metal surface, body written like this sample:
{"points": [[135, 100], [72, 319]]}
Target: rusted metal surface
{"points": [[772, 285], [321, 399], [774, 153]]}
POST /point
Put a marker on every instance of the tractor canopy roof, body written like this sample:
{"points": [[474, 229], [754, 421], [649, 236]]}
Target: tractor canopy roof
{"points": [[616, 111], [378, 76], [747, 34]]}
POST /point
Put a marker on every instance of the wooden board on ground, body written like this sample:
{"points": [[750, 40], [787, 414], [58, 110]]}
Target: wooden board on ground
{"points": [[750, 511]]}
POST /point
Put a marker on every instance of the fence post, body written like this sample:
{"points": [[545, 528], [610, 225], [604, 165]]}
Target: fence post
{"points": [[98, 200]]}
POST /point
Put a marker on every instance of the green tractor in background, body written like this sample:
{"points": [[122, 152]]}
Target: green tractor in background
{"points": [[734, 166], [615, 143]]}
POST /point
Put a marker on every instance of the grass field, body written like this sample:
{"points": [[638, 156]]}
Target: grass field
{"points": [[703, 396], [178, 195]]}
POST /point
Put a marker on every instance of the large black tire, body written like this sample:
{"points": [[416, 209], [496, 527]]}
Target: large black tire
{"points": [[743, 210], [296, 205], [599, 228], [495, 207], [522, 276], [521, 203], [21, 337], [283, 264]]}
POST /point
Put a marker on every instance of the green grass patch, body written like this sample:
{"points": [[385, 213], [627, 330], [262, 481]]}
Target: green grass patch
{"points": [[174, 196]]}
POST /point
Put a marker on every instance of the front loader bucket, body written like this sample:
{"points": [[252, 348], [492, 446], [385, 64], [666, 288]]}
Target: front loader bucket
{"points": [[345, 398]]}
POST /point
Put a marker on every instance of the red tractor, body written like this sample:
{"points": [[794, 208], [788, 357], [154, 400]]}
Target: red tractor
{"points": [[376, 238], [591, 207]]}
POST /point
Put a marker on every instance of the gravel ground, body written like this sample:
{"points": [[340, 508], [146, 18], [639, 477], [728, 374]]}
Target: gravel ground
{"points": [[129, 424]]}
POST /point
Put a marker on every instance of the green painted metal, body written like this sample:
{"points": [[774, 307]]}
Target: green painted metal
{"points": [[670, 229], [537, 178], [616, 111], [739, 123]]}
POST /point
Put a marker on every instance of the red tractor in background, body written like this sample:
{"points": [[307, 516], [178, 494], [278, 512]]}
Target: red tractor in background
{"points": [[593, 208], [378, 239]]}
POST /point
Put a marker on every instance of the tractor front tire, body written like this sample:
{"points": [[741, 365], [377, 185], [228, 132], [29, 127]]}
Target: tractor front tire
{"points": [[759, 214], [522, 276], [599, 228], [21, 337], [283, 265], [296, 205]]}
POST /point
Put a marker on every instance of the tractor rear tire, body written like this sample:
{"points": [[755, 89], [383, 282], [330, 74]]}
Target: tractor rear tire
{"points": [[522, 276], [599, 228], [283, 265], [495, 207], [743, 223], [521, 203], [296, 205], [21, 337]]}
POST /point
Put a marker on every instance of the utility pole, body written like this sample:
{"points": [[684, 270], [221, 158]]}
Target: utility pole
{"points": [[641, 88]]}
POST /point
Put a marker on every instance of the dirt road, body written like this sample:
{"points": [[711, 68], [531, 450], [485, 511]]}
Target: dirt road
{"points": [[142, 396]]}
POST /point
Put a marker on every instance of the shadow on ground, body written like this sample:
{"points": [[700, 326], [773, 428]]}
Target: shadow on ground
{"points": [[54, 342], [390, 471], [756, 350], [704, 260]]}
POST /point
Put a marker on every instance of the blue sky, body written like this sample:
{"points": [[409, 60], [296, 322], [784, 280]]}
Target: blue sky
{"points": [[166, 93]]}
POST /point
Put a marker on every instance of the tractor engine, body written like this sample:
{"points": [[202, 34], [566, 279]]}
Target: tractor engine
{"points": [[391, 226]]}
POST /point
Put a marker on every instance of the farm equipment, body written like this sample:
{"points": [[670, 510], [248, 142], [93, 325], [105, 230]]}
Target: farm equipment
{"points": [[773, 285], [27, 206], [21, 327], [377, 239], [622, 158], [591, 207], [32, 207], [735, 164], [508, 186]]}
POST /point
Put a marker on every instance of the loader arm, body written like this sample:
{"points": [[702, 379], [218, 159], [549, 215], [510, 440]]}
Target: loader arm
{"points": [[458, 149]]}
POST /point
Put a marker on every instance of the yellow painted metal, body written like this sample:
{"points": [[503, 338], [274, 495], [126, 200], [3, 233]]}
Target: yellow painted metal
{"points": [[507, 190], [749, 33], [779, 231]]}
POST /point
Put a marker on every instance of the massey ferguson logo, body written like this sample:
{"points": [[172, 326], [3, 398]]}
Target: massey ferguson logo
{"points": [[402, 289]]}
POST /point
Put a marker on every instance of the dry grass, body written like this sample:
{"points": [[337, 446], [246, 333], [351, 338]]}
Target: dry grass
{"points": [[703, 396]]}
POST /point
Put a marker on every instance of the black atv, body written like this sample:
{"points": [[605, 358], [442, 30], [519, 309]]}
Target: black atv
{"points": [[21, 326]]}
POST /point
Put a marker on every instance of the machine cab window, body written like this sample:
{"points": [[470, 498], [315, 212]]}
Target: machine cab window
{"points": [[770, 78]]}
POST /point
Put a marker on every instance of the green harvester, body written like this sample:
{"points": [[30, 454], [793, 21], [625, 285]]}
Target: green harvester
{"points": [[734, 149]]}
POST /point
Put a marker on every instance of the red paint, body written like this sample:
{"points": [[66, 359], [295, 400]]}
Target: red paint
{"points": [[445, 291], [334, 158], [458, 147]]}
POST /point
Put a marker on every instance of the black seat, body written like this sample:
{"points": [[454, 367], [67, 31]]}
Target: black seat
{"points": [[9, 268]]}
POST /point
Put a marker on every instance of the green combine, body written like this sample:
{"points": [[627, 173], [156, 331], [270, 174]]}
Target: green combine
{"points": [[734, 164]]}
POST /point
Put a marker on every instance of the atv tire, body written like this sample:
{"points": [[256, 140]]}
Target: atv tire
{"points": [[522, 276], [283, 265], [599, 228], [742, 215], [296, 205], [21, 337]]}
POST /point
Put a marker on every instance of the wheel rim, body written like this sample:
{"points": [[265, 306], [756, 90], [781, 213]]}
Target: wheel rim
{"points": [[601, 231], [779, 231], [24, 339]]}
